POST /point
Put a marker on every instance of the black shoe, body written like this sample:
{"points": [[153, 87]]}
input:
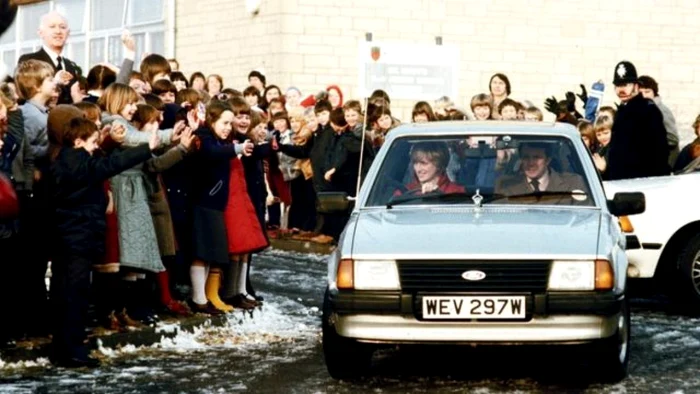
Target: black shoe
{"points": [[75, 362], [241, 302]]}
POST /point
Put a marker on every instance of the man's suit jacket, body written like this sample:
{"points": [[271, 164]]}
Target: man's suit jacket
{"points": [[512, 185], [68, 65]]}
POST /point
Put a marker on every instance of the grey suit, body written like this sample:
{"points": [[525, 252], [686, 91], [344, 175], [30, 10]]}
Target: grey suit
{"points": [[515, 185]]}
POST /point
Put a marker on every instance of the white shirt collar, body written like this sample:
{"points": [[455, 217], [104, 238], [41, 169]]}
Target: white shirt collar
{"points": [[544, 181], [53, 55]]}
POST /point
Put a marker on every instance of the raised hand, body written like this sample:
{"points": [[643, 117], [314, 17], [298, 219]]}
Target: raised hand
{"points": [[248, 147], [105, 132], [552, 105], [178, 129], [154, 141], [128, 41], [429, 187], [570, 101], [187, 138], [63, 77], [584, 94], [118, 133], [192, 119], [600, 162]]}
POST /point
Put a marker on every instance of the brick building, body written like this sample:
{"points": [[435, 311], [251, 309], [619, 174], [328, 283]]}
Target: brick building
{"points": [[545, 47]]}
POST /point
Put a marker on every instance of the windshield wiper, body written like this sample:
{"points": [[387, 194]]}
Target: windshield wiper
{"points": [[435, 196]]}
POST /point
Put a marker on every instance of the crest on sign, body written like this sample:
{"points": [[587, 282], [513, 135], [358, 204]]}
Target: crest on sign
{"points": [[376, 53]]}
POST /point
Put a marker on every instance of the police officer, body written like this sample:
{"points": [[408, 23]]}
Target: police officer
{"points": [[638, 145]]}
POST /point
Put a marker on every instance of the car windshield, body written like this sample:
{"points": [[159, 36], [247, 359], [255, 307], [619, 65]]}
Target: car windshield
{"points": [[481, 169]]}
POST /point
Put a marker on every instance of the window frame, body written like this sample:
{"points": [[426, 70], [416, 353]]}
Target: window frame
{"points": [[163, 25]]}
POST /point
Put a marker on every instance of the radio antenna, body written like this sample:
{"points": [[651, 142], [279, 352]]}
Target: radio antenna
{"points": [[362, 147]]}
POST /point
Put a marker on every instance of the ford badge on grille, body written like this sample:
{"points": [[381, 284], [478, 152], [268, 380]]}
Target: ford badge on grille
{"points": [[473, 275]]}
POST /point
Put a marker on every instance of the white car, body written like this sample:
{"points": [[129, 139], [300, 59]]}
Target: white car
{"points": [[663, 243]]}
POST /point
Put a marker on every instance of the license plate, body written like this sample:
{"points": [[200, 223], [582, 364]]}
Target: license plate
{"points": [[474, 307]]}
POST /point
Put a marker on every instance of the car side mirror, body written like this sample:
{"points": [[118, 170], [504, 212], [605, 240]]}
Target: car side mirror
{"points": [[627, 203], [333, 202]]}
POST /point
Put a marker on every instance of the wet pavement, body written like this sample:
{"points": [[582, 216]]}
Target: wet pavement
{"points": [[278, 349]]}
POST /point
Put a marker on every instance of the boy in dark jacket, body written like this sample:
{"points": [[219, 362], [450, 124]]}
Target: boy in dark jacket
{"points": [[343, 163], [78, 224]]}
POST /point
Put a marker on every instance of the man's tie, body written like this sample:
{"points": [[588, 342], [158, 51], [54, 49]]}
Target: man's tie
{"points": [[59, 65], [535, 185]]}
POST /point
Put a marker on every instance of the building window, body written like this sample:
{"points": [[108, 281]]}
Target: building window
{"points": [[96, 29]]}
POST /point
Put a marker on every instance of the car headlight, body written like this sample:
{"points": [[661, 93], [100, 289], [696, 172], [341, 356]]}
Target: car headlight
{"points": [[572, 275], [368, 275], [581, 275]]}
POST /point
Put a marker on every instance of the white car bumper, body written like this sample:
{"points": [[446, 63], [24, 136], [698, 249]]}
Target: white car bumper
{"points": [[550, 329]]}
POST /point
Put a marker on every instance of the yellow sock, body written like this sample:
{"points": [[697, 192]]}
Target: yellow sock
{"points": [[212, 290]]}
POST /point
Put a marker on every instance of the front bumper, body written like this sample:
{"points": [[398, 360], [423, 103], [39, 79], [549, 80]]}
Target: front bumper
{"points": [[393, 317], [401, 329], [394, 302]]}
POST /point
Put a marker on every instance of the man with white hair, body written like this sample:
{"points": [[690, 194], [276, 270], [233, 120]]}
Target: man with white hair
{"points": [[54, 32]]}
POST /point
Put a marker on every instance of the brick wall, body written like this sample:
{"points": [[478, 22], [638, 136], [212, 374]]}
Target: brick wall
{"points": [[545, 47], [219, 37]]}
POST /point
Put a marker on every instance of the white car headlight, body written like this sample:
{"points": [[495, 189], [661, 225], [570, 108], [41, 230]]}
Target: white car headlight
{"points": [[376, 275], [572, 275]]}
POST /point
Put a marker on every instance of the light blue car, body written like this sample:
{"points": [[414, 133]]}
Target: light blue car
{"points": [[479, 233]]}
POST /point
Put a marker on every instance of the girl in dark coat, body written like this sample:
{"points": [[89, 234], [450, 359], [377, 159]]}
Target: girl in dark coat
{"points": [[210, 191], [78, 222]]}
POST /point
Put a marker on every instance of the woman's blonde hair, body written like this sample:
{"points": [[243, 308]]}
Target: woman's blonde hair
{"points": [[435, 151], [116, 97]]}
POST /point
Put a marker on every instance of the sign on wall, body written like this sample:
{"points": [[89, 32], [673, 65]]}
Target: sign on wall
{"points": [[407, 70]]}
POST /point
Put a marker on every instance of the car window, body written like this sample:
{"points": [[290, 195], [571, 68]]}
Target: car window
{"points": [[502, 169]]}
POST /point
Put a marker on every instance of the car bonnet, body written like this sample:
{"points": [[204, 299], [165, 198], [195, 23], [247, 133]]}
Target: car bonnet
{"points": [[465, 232]]}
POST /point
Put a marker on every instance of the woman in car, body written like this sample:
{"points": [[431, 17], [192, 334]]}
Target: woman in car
{"points": [[429, 161]]}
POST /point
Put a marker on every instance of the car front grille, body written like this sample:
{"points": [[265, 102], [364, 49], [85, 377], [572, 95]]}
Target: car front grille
{"points": [[501, 276]]}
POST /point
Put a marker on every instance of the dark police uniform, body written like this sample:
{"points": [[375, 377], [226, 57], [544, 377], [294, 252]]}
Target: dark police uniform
{"points": [[638, 146]]}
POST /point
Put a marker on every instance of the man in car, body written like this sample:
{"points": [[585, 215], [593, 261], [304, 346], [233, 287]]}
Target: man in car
{"points": [[536, 178]]}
